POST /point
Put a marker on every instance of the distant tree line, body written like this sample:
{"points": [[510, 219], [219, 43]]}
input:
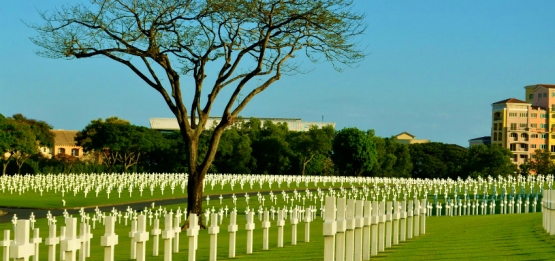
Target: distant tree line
{"points": [[252, 146]]}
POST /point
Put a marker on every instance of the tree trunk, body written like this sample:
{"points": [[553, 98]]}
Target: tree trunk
{"points": [[5, 164], [306, 163], [19, 168], [5, 167], [198, 172], [194, 197], [304, 167]]}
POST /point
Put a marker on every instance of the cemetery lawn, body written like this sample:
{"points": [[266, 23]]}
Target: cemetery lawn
{"points": [[491, 237]]}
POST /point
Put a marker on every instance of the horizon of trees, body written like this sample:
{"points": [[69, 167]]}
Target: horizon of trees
{"points": [[254, 147]]}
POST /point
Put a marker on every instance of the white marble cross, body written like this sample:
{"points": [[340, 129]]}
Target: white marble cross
{"points": [[21, 248], [213, 231], [192, 233], [140, 237], [232, 229], [71, 243], [5, 244], [110, 239], [168, 234]]}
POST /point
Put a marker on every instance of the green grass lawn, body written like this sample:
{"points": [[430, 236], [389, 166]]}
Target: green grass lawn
{"points": [[491, 237]]}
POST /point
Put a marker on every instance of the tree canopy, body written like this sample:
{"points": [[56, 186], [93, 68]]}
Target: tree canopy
{"points": [[354, 151], [169, 39], [16, 139], [117, 141], [437, 160], [489, 160]]}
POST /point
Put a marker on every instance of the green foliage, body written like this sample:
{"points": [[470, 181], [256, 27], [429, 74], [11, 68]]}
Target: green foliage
{"points": [[272, 149], [118, 141], [315, 144], [489, 160], [393, 158], [543, 163], [437, 160], [354, 151], [234, 152], [17, 139], [40, 129]]}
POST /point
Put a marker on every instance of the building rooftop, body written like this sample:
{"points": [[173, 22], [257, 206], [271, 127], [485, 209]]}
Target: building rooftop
{"points": [[64, 137], [405, 133], [549, 86], [511, 100], [482, 138]]}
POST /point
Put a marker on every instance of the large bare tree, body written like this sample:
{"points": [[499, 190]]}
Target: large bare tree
{"points": [[163, 41]]}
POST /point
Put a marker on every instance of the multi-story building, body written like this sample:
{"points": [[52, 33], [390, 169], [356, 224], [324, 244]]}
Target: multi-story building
{"points": [[525, 126]]}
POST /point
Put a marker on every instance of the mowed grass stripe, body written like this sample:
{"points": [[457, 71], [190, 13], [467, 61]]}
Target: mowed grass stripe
{"points": [[491, 237]]}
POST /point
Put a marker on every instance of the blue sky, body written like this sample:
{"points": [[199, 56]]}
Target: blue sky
{"points": [[433, 70]]}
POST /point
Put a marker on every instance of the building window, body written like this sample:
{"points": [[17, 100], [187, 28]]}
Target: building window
{"points": [[513, 126], [523, 115], [532, 146], [531, 96], [513, 147], [495, 136], [75, 152], [545, 94], [533, 115], [523, 146], [534, 125], [523, 125], [497, 116], [512, 114], [534, 136], [553, 94], [61, 151], [543, 146]]}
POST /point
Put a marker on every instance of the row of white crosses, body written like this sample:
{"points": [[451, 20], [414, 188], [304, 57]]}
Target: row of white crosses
{"points": [[392, 189], [469, 207], [22, 247], [126, 183], [358, 229], [72, 245]]}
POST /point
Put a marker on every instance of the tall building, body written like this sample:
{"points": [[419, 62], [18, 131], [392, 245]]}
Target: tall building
{"points": [[525, 126]]}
